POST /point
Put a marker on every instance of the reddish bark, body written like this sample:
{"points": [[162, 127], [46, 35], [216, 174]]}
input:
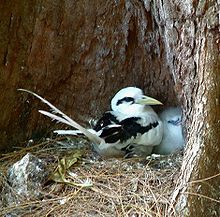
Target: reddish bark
{"points": [[77, 56]]}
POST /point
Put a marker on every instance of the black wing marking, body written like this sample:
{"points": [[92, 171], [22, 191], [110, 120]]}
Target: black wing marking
{"points": [[107, 119], [128, 128], [133, 128], [111, 134]]}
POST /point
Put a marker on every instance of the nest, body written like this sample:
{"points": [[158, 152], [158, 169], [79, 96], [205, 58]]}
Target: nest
{"points": [[119, 187]]}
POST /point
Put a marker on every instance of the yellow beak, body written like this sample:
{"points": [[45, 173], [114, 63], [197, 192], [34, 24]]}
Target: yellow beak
{"points": [[146, 100]]}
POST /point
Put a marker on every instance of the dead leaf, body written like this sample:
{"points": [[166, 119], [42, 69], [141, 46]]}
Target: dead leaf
{"points": [[60, 173]]}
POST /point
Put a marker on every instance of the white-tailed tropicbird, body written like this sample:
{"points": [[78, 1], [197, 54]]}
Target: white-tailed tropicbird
{"points": [[173, 139], [132, 127]]}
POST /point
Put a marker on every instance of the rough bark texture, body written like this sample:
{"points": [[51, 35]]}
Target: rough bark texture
{"points": [[191, 31], [76, 54]]}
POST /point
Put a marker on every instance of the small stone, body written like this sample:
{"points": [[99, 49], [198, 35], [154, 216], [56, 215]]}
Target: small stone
{"points": [[27, 176]]}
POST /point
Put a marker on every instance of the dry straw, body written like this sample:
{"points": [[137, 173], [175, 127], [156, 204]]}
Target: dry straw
{"points": [[119, 187]]}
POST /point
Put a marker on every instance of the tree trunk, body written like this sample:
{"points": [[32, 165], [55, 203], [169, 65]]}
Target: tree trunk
{"points": [[192, 36], [76, 54]]}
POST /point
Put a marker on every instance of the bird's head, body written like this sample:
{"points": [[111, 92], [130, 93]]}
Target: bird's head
{"points": [[131, 100], [172, 116]]}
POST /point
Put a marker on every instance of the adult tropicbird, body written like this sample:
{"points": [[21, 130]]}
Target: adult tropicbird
{"points": [[132, 127], [173, 139]]}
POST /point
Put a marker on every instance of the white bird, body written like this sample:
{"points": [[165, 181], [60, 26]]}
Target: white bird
{"points": [[173, 139], [132, 127]]}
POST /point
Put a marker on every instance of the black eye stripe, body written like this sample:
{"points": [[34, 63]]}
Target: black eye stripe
{"points": [[125, 99]]}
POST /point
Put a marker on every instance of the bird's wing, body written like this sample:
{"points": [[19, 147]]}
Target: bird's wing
{"points": [[107, 119], [111, 133], [65, 119], [128, 128]]}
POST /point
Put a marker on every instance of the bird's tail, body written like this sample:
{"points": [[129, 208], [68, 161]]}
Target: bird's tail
{"points": [[63, 118], [73, 132], [68, 132]]}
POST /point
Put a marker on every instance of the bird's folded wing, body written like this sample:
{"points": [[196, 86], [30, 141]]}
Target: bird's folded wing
{"points": [[107, 119], [125, 130], [111, 133]]}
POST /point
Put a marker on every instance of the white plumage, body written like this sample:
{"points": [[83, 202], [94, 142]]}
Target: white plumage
{"points": [[140, 128], [132, 127], [173, 139]]}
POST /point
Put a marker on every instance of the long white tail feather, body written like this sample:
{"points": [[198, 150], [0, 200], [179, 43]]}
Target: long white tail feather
{"points": [[55, 117], [44, 100], [68, 132], [54, 109], [65, 119], [73, 132], [94, 138]]}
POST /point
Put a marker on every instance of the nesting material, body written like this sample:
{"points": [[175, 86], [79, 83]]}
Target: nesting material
{"points": [[119, 187]]}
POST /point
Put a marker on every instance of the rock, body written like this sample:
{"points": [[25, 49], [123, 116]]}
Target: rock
{"points": [[26, 177]]}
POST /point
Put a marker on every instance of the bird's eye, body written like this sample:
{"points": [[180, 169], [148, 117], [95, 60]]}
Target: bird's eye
{"points": [[125, 99], [175, 122]]}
